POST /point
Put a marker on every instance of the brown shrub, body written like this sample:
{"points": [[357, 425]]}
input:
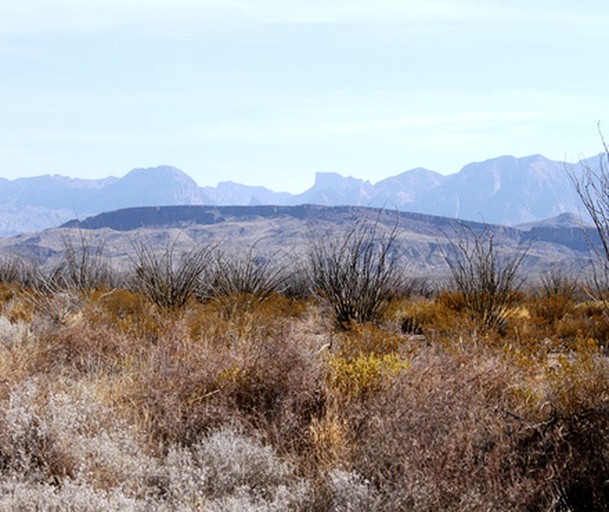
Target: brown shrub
{"points": [[186, 387], [82, 348], [551, 308], [578, 396], [435, 438], [587, 320], [130, 313], [7, 293], [436, 318], [18, 308], [473, 431], [367, 339]]}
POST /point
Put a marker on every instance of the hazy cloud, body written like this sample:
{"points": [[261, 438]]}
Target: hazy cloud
{"points": [[52, 16]]}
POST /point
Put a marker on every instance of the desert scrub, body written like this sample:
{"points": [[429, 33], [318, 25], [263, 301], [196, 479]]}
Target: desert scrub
{"points": [[81, 348], [435, 318], [330, 439], [130, 313], [49, 435], [167, 278], [244, 280], [7, 294], [550, 309], [436, 437], [82, 266], [273, 408], [485, 279], [228, 470], [14, 332], [579, 379], [367, 338], [586, 320], [17, 306], [210, 322], [55, 307], [356, 274], [350, 491], [561, 283], [576, 426], [21, 495], [186, 387], [17, 271], [365, 374]]}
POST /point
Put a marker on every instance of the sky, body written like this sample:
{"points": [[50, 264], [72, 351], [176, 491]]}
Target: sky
{"points": [[269, 92]]}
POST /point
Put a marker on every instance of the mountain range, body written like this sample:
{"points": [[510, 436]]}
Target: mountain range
{"points": [[504, 190]]}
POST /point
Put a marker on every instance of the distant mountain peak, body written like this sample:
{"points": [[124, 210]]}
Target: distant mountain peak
{"points": [[535, 158], [420, 170], [334, 180], [159, 170], [502, 190]]}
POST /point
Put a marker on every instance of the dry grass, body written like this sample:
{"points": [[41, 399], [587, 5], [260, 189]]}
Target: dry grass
{"points": [[113, 402]]}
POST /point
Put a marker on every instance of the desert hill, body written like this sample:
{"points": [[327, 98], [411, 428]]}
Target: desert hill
{"points": [[285, 232]]}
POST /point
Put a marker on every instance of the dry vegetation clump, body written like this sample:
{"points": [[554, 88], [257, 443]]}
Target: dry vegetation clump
{"points": [[113, 400], [485, 281], [560, 283], [169, 279], [50, 435], [442, 317], [81, 268], [551, 309], [588, 320], [17, 271], [186, 387], [67, 451], [449, 433], [129, 312], [238, 281], [364, 375], [229, 471], [357, 339], [578, 394], [435, 437], [81, 348], [356, 274]]}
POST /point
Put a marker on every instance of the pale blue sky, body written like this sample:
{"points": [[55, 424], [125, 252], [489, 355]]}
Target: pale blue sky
{"points": [[271, 91]]}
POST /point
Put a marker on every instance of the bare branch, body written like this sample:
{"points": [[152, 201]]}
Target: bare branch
{"points": [[356, 273], [486, 280]]}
